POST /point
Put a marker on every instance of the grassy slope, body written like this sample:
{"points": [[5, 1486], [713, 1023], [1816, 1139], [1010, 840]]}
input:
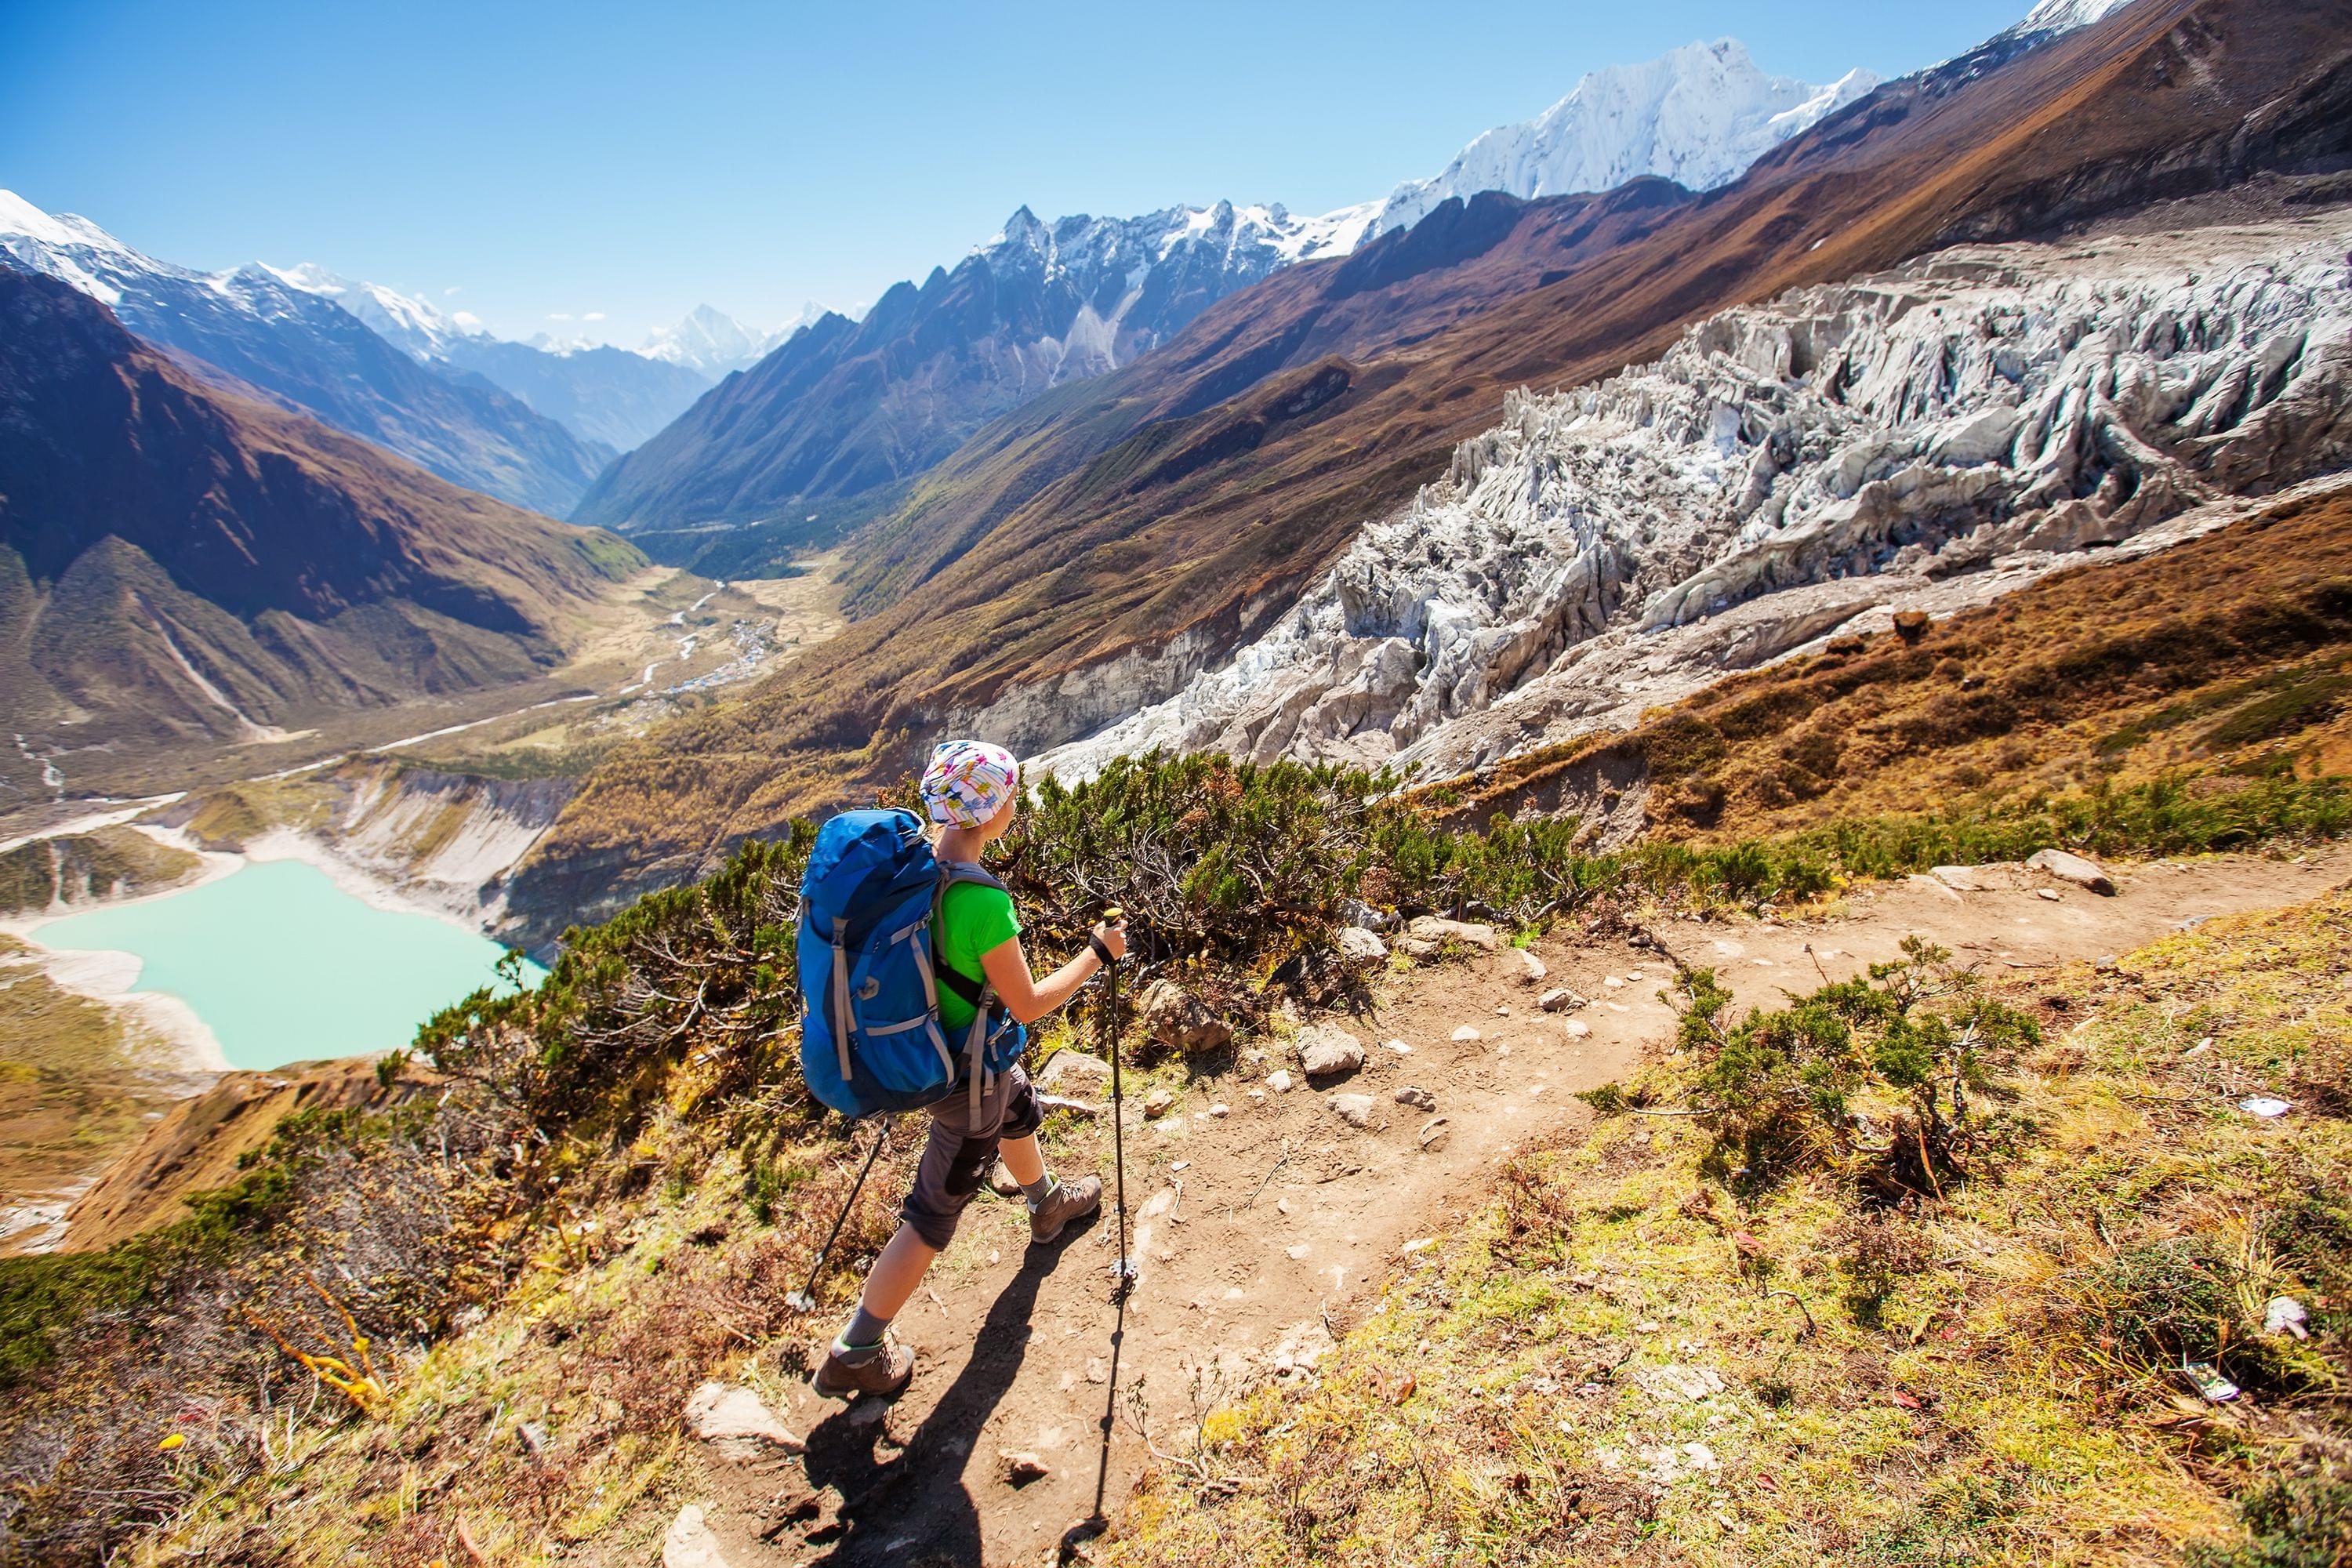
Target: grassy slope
{"points": [[2229, 652], [111, 862], [1982, 1383]]}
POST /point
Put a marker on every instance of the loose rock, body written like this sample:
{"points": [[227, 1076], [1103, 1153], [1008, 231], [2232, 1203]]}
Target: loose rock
{"points": [[1002, 1182], [1159, 1101], [1527, 967], [1357, 944], [1069, 1064], [1426, 935], [1420, 1098], [1355, 1110], [1179, 1020], [1280, 1081], [1468, 1032], [690, 1542], [1327, 1051], [1560, 999], [1577, 1030], [2074, 869], [738, 1420], [1022, 1467]]}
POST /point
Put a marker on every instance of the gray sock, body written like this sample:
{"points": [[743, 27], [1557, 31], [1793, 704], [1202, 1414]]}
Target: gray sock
{"points": [[1038, 1191], [860, 1342]]}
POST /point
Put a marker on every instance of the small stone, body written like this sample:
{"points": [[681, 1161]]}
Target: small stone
{"points": [[1356, 943], [1327, 1051], [1611, 981], [1022, 1467], [1560, 999], [1468, 1032], [2106, 963], [1526, 967], [1355, 1110], [1399, 1047], [1002, 1182], [1221, 1110], [1280, 1081], [1257, 1094], [2072, 869], [1158, 1101], [1097, 1373], [1420, 1098], [692, 1543], [2050, 893], [533, 1437]]}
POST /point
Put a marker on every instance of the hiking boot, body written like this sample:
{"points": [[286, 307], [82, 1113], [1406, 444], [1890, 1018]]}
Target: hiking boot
{"points": [[1068, 1201], [882, 1376]]}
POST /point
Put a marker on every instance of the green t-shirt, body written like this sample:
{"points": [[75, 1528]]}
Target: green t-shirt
{"points": [[973, 919]]}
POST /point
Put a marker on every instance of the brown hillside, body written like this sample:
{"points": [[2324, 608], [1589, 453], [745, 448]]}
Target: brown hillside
{"points": [[173, 556], [1075, 535], [2231, 652]]}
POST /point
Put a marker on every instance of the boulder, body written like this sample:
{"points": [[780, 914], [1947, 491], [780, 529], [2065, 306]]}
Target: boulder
{"points": [[1560, 999], [1364, 946], [736, 1421], [1327, 1051], [2072, 869], [1179, 1021], [1355, 1110]]}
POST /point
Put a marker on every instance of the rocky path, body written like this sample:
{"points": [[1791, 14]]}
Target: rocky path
{"points": [[1266, 1218]]}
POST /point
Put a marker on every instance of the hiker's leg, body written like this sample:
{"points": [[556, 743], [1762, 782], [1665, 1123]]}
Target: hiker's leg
{"points": [[1024, 1158], [889, 1284]]}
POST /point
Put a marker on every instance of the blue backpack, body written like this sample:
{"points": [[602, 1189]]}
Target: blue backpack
{"points": [[870, 1034]]}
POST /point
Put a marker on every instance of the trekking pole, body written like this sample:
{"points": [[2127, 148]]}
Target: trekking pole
{"points": [[804, 1300], [1123, 1271]]}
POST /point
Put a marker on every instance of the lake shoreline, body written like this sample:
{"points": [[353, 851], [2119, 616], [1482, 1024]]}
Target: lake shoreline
{"points": [[111, 977]]}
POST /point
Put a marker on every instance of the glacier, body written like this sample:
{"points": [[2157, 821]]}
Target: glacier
{"points": [[1929, 436]]}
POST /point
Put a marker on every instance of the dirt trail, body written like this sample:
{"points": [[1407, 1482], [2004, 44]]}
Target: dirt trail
{"points": [[1260, 1231]]}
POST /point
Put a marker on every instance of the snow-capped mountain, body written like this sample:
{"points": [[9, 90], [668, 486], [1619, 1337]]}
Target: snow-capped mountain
{"points": [[2053, 17], [842, 408], [402, 320], [1698, 115], [312, 351], [715, 343]]}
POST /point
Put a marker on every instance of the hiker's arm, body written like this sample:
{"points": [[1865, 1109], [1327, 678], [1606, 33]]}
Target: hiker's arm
{"points": [[1029, 998]]}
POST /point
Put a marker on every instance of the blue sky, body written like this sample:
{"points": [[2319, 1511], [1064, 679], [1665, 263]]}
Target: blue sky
{"points": [[525, 160]]}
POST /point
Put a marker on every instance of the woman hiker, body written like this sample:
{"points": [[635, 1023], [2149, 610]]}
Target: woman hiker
{"points": [[971, 790]]}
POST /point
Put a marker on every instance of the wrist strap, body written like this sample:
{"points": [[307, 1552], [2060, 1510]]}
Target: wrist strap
{"points": [[1101, 950]]}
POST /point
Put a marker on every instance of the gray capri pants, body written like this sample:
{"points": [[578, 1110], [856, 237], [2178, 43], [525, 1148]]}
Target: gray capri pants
{"points": [[960, 1149]]}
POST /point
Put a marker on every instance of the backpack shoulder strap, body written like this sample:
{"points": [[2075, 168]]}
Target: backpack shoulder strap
{"points": [[952, 873]]}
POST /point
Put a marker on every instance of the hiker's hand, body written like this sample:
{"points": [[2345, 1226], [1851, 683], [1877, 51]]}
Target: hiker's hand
{"points": [[1113, 935]]}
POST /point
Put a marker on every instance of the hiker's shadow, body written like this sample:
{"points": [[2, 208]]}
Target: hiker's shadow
{"points": [[912, 1506]]}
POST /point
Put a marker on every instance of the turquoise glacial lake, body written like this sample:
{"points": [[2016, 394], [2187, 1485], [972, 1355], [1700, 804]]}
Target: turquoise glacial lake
{"points": [[286, 966]]}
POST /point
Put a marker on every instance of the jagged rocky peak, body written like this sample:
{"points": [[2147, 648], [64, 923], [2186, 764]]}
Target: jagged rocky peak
{"points": [[1783, 469]]}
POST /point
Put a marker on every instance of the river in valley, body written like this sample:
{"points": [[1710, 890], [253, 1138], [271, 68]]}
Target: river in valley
{"points": [[283, 965]]}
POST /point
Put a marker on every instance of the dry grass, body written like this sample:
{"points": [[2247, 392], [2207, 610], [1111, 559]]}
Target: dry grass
{"points": [[1973, 1382]]}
